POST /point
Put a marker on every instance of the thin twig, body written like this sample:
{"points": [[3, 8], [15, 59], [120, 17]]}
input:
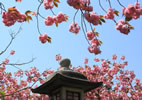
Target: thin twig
{"points": [[83, 28], [137, 0], [75, 16], [102, 6], [109, 4], [13, 35], [41, 16], [17, 68], [20, 64], [84, 24], [120, 4], [37, 16], [52, 12], [2, 7], [17, 91], [40, 1]]}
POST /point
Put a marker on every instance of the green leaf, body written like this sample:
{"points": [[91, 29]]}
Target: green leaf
{"points": [[3, 94]]}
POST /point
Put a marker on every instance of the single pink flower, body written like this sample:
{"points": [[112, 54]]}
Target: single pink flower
{"points": [[43, 38], [86, 61], [58, 57], [122, 57], [12, 52]]}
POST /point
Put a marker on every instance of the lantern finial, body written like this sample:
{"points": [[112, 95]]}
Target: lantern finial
{"points": [[65, 62]]}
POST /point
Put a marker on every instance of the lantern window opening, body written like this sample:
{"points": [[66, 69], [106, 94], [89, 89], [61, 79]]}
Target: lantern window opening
{"points": [[70, 95], [56, 95]]}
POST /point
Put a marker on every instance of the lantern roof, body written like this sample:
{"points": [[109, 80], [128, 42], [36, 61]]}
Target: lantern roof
{"points": [[66, 77]]}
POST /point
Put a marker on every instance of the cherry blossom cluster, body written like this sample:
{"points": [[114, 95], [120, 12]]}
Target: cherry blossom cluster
{"points": [[117, 82], [6, 61], [56, 19], [80, 4], [43, 38], [94, 43], [133, 11], [48, 4], [12, 16], [110, 14], [58, 57], [123, 27], [92, 18], [9, 84], [74, 27]]}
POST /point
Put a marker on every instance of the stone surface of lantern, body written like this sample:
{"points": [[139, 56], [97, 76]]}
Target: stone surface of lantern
{"points": [[66, 84]]}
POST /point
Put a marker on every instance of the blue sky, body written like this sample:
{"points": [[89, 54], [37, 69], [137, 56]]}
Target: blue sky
{"points": [[68, 44]]}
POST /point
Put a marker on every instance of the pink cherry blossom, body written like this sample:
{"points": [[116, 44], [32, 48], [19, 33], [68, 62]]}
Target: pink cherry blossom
{"points": [[96, 59], [92, 18], [43, 38], [114, 57], [122, 27], [122, 57], [86, 61], [74, 27], [50, 71], [110, 14], [133, 11], [58, 57], [49, 21], [48, 4], [90, 35], [11, 16], [12, 52]]}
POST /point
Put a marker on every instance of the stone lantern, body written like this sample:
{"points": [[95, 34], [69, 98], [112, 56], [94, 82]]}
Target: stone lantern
{"points": [[66, 84]]}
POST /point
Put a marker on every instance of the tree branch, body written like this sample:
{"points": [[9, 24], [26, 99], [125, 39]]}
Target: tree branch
{"points": [[37, 15], [2, 7], [120, 4], [102, 6], [83, 27], [20, 64], [13, 35], [18, 91]]}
